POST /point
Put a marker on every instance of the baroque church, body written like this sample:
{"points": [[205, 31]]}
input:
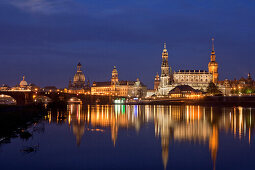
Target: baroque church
{"points": [[79, 84], [197, 79]]}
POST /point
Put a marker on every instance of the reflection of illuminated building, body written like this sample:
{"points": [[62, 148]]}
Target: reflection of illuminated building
{"points": [[195, 124], [115, 117], [214, 144], [77, 120], [183, 123], [200, 124]]}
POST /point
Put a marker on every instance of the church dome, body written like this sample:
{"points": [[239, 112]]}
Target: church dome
{"points": [[23, 82], [79, 77]]}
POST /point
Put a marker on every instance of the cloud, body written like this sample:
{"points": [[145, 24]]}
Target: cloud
{"points": [[41, 6]]}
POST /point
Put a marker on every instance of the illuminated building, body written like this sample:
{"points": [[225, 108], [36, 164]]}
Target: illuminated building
{"points": [[115, 87], [197, 79], [241, 86], [23, 85], [156, 82], [4, 87], [213, 65], [78, 85], [184, 91], [165, 75]]}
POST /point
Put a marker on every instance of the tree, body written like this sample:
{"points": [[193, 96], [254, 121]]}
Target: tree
{"points": [[213, 89]]}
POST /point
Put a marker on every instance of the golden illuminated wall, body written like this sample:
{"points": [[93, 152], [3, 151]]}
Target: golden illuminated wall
{"points": [[213, 69], [106, 90], [114, 90]]}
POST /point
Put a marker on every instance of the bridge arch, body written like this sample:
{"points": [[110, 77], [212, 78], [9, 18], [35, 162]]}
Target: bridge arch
{"points": [[21, 97], [42, 99], [74, 100], [7, 100]]}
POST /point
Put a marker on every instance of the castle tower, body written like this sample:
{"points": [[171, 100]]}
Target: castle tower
{"points": [[213, 65], [164, 78], [156, 82], [115, 79]]}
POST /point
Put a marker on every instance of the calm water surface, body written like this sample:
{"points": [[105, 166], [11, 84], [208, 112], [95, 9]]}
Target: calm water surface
{"points": [[136, 137]]}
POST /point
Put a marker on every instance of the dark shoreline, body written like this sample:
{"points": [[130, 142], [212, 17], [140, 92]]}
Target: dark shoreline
{"points": [[16, 119]]}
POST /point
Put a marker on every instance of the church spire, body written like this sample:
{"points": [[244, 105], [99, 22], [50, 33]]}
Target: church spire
{"points": [[213, 65], [78, 67], [164, 49], [164, 80], [212, 44], [213, 52]]}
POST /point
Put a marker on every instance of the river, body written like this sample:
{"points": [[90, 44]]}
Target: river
{"points": [[136, 137]]}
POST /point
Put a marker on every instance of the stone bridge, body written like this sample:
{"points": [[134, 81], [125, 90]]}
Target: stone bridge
{"points": [[21, 97], [86, 99]]}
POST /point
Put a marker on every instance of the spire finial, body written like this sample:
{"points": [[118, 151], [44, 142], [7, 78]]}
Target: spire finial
{"points": [[212, 44], [23, 78], [164, 45], [79, 66]]}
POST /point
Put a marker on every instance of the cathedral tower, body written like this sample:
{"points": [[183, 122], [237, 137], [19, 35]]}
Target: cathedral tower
{"points": [[213, 65], [115, 79], [164, 78]]}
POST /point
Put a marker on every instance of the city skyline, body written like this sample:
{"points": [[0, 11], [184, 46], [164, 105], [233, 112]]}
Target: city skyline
{"points": [[44, 40], [137, 84]]}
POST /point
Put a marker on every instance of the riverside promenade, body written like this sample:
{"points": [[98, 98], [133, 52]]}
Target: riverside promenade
{"points": [[206, 100]]}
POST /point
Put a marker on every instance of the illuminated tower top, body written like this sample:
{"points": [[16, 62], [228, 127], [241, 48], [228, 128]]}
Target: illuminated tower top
{"points": [[115, 78], [213, 65], [164, 65], [79, 67], [213, 56]]}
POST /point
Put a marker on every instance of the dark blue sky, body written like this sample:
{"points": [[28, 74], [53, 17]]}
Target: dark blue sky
{"points": [[45, 39]]}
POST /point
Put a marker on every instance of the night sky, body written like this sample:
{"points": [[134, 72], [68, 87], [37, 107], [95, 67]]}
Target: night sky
{"points": [[45, 39]]}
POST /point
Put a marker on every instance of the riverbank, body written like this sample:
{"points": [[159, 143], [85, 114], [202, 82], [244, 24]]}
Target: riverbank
{"points": [[248, 101], [16, 119]]}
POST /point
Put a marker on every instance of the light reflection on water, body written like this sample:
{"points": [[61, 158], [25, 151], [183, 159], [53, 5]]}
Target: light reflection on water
{"points": [[198, 125], [183, 123]]}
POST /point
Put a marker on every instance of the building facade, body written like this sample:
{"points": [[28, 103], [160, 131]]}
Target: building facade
{"points": [[78, 85], [197, 79], [115, 87], [242, 86], [156, 82]]}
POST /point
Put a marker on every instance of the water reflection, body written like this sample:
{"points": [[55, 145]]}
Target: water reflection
{"points": [[192, 124]]}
